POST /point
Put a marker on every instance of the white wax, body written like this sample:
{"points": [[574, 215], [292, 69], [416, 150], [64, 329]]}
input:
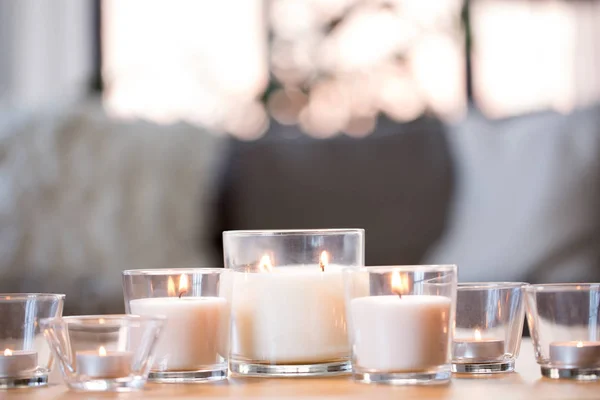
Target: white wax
{"points": [[115, 364], [576, 353], [400, 334], [18, 363], [478, 349], [292, 315], [192, 337]]}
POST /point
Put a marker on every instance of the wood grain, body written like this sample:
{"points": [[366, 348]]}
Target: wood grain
{"points": [[526, 383]]}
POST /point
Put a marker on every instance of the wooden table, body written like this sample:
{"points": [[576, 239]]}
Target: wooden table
{"points": [[526, 383]]}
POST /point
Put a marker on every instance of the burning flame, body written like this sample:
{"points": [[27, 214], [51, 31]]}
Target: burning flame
{"points": [[324, 260], [7, 352], [399, 283], [183, 284], [265, 264], [102, 351], [171, 287], [579, 344], [477, 335]]}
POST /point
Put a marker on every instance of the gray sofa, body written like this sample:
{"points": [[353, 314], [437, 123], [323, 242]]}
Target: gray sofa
{"points": [[84, 196]]}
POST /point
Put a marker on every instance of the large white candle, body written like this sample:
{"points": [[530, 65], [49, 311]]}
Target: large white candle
{"points": [[192, 337], [14, 363], [289, 315], [400, 334]]}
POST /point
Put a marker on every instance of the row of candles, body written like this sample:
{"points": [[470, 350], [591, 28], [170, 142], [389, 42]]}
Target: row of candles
{"points": [[315, 311]]}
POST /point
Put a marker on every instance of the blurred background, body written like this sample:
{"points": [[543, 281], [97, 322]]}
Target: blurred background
{"points": [[133, 132]]}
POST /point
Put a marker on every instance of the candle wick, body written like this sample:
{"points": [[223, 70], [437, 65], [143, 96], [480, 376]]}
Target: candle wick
{"points": [[398, 293], [182, 292], [322, 266]]}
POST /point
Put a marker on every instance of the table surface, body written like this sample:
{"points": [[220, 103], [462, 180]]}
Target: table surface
{"points": [[526, 383]]}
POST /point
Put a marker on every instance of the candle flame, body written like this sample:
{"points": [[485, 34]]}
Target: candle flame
{"points": [[399, 283], [7, 352], [477, 334], [579, 344], [183, 284], [324, 260], [265, 264], [102, 351], [171, 287]]}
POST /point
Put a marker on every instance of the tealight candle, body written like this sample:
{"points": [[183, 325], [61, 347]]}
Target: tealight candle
{"points": [[576, 353], [478, 348], [14, 363], [104, 364]]}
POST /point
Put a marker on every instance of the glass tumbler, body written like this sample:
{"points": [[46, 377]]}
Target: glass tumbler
{"points": [[103, 352], [287, 300], [25, 358], [489, 326], [194, 344], [564, 324], [400, 323]]}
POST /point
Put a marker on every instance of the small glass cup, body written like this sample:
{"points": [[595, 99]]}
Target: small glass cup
{"points": [[103, 352], [400, 323], [565, 328], [25, 358], [194, 344], [489, 326], [288, 313]]}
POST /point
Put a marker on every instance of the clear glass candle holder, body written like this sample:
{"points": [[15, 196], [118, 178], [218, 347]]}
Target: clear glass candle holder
{"points": [[564, 324], [288, 314], [25, 358], [103, 352], [194, 344], [489, 327], [400, 323]]}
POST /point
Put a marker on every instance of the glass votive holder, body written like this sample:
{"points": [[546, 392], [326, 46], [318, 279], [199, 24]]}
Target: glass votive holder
{"points": [[25, 358], [400, 323], [287, 300], [564, 324], [194, 343], [103, 352], [489, 327]]}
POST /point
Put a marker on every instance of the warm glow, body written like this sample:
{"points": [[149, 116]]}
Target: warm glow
{"points": [[324, 260], [399, 283], [102, 351], [101, 321], [171, 287], [183, 284], [265, 264], [477, 334], [7, 352], [579, 344]]}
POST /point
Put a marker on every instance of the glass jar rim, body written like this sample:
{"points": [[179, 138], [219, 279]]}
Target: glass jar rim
{"points": [[490, 285], [88, 320], [562, 287], [293, 232], [405, 268], [30, 296], [173, 271]]}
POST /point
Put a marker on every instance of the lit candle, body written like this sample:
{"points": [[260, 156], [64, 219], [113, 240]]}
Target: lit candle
{"points": [[290, 315], [575, 354], [195, 331], [478, 349], [400, 332], [104, 364], [14, 363]]}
